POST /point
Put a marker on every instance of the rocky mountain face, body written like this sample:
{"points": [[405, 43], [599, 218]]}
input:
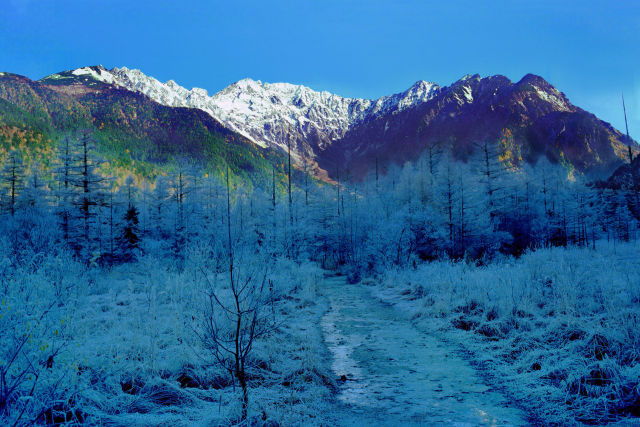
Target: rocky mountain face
{"points": [[270, 114], [328, 133], [529, 117]]}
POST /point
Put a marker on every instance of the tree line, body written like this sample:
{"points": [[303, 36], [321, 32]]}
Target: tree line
{"points": [[430, 208]]}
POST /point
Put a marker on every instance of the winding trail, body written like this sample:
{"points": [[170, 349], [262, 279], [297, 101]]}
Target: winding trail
{"points": [[397, 375]]}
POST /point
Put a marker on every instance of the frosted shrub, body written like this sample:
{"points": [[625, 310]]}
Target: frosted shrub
{"points": [[561, 318], [36, 370]]}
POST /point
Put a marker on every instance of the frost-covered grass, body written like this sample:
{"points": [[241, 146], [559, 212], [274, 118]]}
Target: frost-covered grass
{"points": [[559, 328], [125, 347]]}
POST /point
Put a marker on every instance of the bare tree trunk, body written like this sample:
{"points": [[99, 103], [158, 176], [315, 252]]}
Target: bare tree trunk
{"points": [[289, 176], [338, 188], [239, 359], [273, 205], [377, 192]]}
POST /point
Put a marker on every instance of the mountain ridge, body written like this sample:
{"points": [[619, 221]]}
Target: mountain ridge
{"points": [[531, 116], [327, 132], [132, 131], [270, 114]]}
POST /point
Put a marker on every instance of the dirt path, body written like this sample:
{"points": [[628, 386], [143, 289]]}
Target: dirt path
{"points": [[397, 375]]}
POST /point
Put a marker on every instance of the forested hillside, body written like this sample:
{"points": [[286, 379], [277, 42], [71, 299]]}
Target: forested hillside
{"points": [[133, 133]]}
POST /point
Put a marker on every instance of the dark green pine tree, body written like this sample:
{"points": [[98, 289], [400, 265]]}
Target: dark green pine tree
{"points": [[130, 235]]}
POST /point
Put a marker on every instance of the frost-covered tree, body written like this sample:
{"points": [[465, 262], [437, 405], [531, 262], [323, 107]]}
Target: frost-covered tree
{"points": [[64, 172], [235, 317], [491, 173], [160, 206], [618, 218], [447, 194], [36, 191], [89, 195], [12, 180], [184, 190]]}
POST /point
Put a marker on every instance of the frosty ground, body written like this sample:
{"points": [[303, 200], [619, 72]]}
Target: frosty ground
{"points": [[549, 338], [557, 330], [397, 375]]}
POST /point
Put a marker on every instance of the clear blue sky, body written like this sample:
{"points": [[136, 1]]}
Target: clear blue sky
{"points": [[361, 48]]}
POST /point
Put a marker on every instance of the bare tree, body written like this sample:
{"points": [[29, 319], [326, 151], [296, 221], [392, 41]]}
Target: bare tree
{"points": [[307, 169], [64, 174], [289, 182], [81, 193], [12, 178], [235, 315]]}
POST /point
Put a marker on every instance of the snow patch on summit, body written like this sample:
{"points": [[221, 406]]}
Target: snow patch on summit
{"points": [[467, 93], [554, 97], [98, 73]]}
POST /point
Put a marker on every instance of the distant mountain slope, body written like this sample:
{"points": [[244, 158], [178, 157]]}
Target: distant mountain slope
{"points": [[249, 121], [270, 114], [536, 117], [132, 130]]}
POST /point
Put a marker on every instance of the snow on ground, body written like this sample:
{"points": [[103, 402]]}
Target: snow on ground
{"points": [[557, 329], [131, 356], [393, 374], [556, 332], [149, 340]]}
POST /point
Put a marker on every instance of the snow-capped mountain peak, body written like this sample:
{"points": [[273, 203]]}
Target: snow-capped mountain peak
{"points": [[270, 114], [419, 92]]}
